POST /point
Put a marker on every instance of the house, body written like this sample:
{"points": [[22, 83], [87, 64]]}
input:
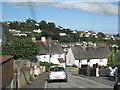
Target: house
{"points": [[87, 56], [51, 51], [38, 31], [62, 34], [74, 32]]}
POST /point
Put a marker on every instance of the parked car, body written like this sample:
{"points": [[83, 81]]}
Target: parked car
{"points": [[57, 73], [117, 79], [110, 71]]}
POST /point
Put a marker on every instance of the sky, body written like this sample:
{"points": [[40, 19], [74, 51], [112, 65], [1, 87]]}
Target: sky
{"points": [[85, 16]]}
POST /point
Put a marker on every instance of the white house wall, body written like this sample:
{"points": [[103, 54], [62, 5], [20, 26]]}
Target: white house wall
{"points": [[101, 62], [70, 58], [77, 63], [43, 58], [53, 58]]}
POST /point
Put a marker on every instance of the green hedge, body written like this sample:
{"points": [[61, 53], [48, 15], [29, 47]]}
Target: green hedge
{"points": [[71, 66], [47, 65]]}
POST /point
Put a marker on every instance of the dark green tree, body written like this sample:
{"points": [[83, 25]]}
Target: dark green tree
{"points": [[20, 48]]}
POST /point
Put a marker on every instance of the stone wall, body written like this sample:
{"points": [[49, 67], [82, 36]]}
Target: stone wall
{"points": [[19, 80], [21, 63]]}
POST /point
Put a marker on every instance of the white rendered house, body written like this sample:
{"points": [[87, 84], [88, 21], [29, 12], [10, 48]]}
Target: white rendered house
{"points": [[87, 56], [51, 51]]}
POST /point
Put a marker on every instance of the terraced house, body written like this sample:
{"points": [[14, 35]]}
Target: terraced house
{"points": [[81, 56]]}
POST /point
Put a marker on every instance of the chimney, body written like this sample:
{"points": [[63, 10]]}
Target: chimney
{"points": [[43, 39], [84, 44], [94, 45], [34, 39]]}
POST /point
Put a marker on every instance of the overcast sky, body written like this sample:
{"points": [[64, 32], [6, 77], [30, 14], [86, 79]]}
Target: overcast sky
{"points": [[98, 16]]}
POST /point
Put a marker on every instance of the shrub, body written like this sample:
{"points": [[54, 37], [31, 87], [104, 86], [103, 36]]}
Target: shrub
{"points": [[71, 66], [31, 77], [47, 65], [74, 66], [68, 66], [118, 64]]}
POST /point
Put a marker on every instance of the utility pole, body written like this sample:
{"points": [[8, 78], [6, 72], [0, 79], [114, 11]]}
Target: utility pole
{"points": [[49, 40], [32, 11]]}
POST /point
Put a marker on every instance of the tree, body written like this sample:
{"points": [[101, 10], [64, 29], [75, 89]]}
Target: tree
{"points": [[20, 48], [51, 25], [111, 58], [100, 35]]}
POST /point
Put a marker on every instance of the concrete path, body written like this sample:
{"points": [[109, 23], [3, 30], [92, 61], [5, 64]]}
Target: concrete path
{"points": [[39, 82]]}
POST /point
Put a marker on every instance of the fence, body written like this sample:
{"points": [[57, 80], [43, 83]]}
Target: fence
{"points": [[91, 71], [7, 70]]}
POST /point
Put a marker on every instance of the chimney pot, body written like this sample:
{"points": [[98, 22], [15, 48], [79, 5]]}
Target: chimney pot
{"points": [[43, 39]]}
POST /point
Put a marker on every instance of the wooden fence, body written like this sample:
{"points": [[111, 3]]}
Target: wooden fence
{"points": [[7, 70]]}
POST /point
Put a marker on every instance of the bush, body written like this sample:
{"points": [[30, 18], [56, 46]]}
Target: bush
{"points": [[118, 64], [47, 65], [68, 66], [71, 66], [74, 66], [31, 77]]}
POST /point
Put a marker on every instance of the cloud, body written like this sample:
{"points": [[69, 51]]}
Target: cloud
{"points": [[106, 9], [61, 0], [28, 0], [99, 8]]}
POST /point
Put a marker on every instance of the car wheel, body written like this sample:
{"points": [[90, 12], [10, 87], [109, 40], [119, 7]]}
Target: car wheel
{"points": [[66, 80], [49, 81]]}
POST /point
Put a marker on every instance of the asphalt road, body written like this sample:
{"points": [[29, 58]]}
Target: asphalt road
{"points": [[75, 81]]}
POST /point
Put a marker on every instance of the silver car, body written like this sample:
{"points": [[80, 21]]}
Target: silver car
{"points": [[57, 73], [110, 71]]}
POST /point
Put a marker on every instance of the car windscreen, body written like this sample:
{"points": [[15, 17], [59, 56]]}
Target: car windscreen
{"points": [[57, 69], [113, 66]]}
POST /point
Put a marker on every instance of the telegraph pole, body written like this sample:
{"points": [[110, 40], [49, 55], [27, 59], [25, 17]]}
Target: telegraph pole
{"points": [[49, 48]]}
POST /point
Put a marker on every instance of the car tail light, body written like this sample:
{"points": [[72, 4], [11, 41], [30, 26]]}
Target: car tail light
{"points": [[49, 72], [110, 71], [64, 72]]}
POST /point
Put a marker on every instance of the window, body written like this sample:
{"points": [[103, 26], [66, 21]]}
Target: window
{"points": [[69, 61], [57, 69], [59, 55]]}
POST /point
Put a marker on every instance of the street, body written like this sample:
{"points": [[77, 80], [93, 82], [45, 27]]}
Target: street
{"points": [[75, 81]]}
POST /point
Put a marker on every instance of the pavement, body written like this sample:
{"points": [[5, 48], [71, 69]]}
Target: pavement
{"points": [[39, 82]]}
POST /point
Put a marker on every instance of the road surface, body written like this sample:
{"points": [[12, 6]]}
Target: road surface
{"points": [[75, 81]]}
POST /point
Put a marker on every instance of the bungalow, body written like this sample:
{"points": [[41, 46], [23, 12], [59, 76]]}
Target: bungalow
{"points": [[38, 31], [51, 51], [62, 34], [87, 56]]}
